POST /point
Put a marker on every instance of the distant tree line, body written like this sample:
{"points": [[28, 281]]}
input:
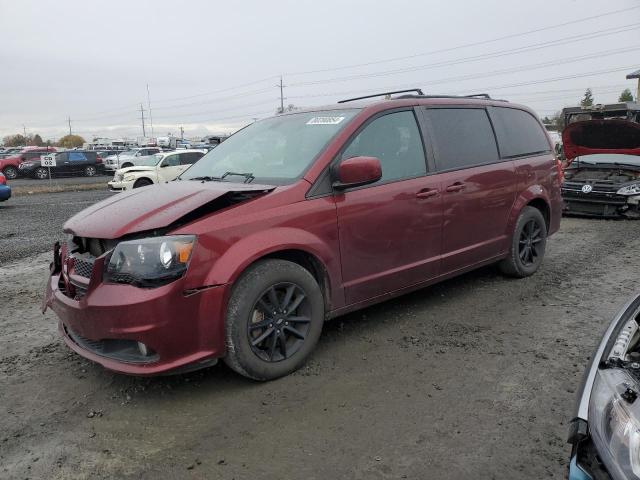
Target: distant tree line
{"points": [[19, 140]]}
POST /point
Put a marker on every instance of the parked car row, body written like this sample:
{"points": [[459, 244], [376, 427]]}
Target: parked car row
{"points": [[161, 167]]}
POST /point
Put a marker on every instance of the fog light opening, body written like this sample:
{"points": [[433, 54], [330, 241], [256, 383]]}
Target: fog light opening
{"points": [[142, 348]]}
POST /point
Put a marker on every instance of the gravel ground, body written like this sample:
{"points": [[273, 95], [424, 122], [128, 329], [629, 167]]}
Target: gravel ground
{"points": [[32, 223], [472, 378], [75, 180]]}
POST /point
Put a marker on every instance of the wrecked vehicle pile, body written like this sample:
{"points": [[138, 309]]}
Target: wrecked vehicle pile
{"points": [[603, 174]]}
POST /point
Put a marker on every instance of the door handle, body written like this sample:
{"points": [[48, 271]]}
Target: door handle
{"points": [[427, 193], [456, 187]]}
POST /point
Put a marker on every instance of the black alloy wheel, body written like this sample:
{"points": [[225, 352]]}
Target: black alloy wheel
{"points": [[279, 322], [274, 319], [528, 244], [530, 238]]}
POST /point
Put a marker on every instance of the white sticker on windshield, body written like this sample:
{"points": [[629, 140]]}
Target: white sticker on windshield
{"points": [[325, 120]]}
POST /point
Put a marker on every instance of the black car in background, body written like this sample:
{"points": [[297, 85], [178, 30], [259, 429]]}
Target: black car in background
{"points": [[73, 162]]}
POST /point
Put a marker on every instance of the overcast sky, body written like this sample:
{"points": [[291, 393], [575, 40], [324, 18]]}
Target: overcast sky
{"points": [[212, 66]]}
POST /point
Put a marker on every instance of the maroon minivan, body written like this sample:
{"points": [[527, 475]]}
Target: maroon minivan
{"points": [[299, 218]]}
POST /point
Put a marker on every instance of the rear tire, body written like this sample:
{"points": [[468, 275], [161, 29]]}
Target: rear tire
{"points": [[10, 172], [142, 182], [274, 319], [528, 245], [90, 171], [41, 173], [126, 165]]}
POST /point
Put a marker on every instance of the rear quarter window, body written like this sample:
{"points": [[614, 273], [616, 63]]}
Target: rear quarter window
{"points": [[462, 137], [519, 133]]}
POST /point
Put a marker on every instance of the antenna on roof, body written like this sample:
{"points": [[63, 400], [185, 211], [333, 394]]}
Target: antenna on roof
{"points": [[417, 90]]}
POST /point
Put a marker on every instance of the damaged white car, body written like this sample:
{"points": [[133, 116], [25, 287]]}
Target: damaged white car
{"points": [[162, 167], [605, 432]]}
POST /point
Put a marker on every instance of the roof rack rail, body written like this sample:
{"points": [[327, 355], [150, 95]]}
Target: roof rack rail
{"points": [[417, 90], [482, 95]]}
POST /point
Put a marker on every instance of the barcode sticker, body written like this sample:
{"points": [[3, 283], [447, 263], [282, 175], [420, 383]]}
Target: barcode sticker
{"points": [[325, 120]]}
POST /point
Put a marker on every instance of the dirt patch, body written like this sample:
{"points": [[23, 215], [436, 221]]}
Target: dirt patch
{"points": [[472, 378]]}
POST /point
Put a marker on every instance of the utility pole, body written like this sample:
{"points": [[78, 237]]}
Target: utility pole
{"points": [[281, 86], [24, 130], [69, 120], [149, 108], [181, 133], [144, 133]]}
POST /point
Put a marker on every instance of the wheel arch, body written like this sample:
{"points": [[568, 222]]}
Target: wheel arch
{"points": [[535, 196], [142, 178], [297, 246]]}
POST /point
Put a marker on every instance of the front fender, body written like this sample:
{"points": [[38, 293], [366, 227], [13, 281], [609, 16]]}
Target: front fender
{"points": [[228, 267]]}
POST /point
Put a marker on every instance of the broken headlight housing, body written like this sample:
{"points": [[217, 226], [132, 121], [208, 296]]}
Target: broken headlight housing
{"points": [[150, 262], [614, 407], [633, 189]]}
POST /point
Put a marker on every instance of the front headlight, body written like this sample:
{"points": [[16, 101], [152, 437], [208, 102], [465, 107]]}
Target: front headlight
{"points": [[150, 262], [614, 420], [633, 189]]}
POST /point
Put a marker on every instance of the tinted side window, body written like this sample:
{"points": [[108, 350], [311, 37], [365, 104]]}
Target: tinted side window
{"points": [[463, 137], [518, 132], [395, 140], [77, 157], [189, 158]]}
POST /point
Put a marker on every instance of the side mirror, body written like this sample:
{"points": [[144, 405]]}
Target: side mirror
{"points": [[164, 164], [356, 171]]}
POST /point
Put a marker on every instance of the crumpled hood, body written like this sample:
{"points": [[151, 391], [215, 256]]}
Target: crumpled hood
{"points": [[601, 136], [151, 207], [136, 169]]}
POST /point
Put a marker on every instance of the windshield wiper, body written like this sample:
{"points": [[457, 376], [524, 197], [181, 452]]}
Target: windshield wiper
{"points": [[207, 178], [248, 177]]}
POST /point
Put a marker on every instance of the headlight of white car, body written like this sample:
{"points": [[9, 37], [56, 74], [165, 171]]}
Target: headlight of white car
{"points": [[633, 189], [614, 420]]}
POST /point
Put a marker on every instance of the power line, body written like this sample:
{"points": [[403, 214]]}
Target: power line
{"points": [[474, 44], [475, 58], [485, 88]]}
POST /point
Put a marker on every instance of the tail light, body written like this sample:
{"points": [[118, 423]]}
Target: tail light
{"points": [[3, 180], [560, 170], [98, 158]]}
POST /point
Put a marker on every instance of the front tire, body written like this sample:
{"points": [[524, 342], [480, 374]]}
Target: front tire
{"points": [[10, 172], [142, 182], [274, 319], [528, 245], [90, 171]]}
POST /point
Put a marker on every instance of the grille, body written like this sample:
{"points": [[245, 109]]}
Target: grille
{"points": [[83, 267], [599, 186]]}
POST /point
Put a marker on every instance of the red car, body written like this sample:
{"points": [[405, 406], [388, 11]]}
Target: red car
{"points": [[299, 218], [10, 165]]}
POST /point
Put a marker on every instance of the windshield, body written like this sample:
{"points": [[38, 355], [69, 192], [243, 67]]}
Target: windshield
{"points": [[607, 158], [277, 150]]}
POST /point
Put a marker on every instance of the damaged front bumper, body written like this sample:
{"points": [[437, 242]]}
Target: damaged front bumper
{"points": [[137, 331], [605, 433], [600, 204]]}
